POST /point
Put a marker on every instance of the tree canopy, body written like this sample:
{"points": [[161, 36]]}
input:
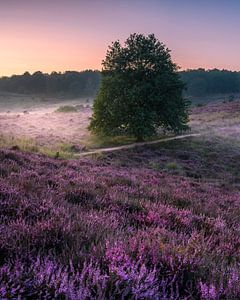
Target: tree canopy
{"points": [[140, 90]]}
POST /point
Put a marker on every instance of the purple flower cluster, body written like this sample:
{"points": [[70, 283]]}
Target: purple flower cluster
{"points": [[89, 229]]}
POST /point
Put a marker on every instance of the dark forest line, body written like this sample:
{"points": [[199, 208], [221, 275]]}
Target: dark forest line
{"points": [[202, 82], [69, 83], [199, 82]]}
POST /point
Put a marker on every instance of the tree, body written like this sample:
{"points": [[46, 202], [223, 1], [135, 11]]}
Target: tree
{"points": [[69, 83], [140, 90]]}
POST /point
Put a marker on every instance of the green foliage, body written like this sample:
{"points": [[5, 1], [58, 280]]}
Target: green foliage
{"points": [[140, 90], [199, 83], [66, 109], [172, 166], [202, 82], [154, 165], [70, 83]]}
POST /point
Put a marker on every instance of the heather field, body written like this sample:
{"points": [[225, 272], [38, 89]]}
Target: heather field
{"points": [[154, 222]]}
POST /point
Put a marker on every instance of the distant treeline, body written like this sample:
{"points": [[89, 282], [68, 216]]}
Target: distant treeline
{"points": [[199, 82], [70, 83], [202, 82]]}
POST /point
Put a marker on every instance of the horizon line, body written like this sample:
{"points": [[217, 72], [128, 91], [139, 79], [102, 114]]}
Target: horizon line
{"points": [[97, 70]]}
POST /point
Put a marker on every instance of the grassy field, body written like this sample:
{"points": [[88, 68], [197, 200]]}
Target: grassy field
{"points": [[154, 222], [60, 126], [55, 127], [48, 125]]}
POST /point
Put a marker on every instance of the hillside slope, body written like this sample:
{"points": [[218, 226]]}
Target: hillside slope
{"points": [[147, 223]]}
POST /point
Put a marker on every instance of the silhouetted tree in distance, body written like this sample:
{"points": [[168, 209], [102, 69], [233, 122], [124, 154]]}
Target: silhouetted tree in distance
{"points": [[198, 82], [140, 90]]}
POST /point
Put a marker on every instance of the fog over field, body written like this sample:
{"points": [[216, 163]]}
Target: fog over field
{"points": [[36, 118]]}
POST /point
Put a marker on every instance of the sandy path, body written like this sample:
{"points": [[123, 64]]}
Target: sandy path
{"points": [[124, 147], [47, 128]]}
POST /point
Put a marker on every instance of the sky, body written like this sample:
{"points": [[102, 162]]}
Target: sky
{"points": [[60, 35]]}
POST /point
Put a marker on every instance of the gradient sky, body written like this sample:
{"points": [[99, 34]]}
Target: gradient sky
{"points": [[59, 35]]}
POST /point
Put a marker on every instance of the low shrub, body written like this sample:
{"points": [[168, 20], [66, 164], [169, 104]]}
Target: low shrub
{"points": [[67, 109]]}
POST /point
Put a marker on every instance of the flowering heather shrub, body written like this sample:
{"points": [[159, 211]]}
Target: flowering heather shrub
{"points": [[90, 229]]}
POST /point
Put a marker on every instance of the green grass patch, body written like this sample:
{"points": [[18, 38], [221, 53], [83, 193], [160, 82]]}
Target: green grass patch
{"points": [[96, 141], [101, 141], [172, 166], [23, 144], [57, 153], [154, 165], [63, 151], [66, 109]]}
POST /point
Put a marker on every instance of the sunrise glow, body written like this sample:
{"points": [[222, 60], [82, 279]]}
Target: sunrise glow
{"points": [[74, 35]]}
